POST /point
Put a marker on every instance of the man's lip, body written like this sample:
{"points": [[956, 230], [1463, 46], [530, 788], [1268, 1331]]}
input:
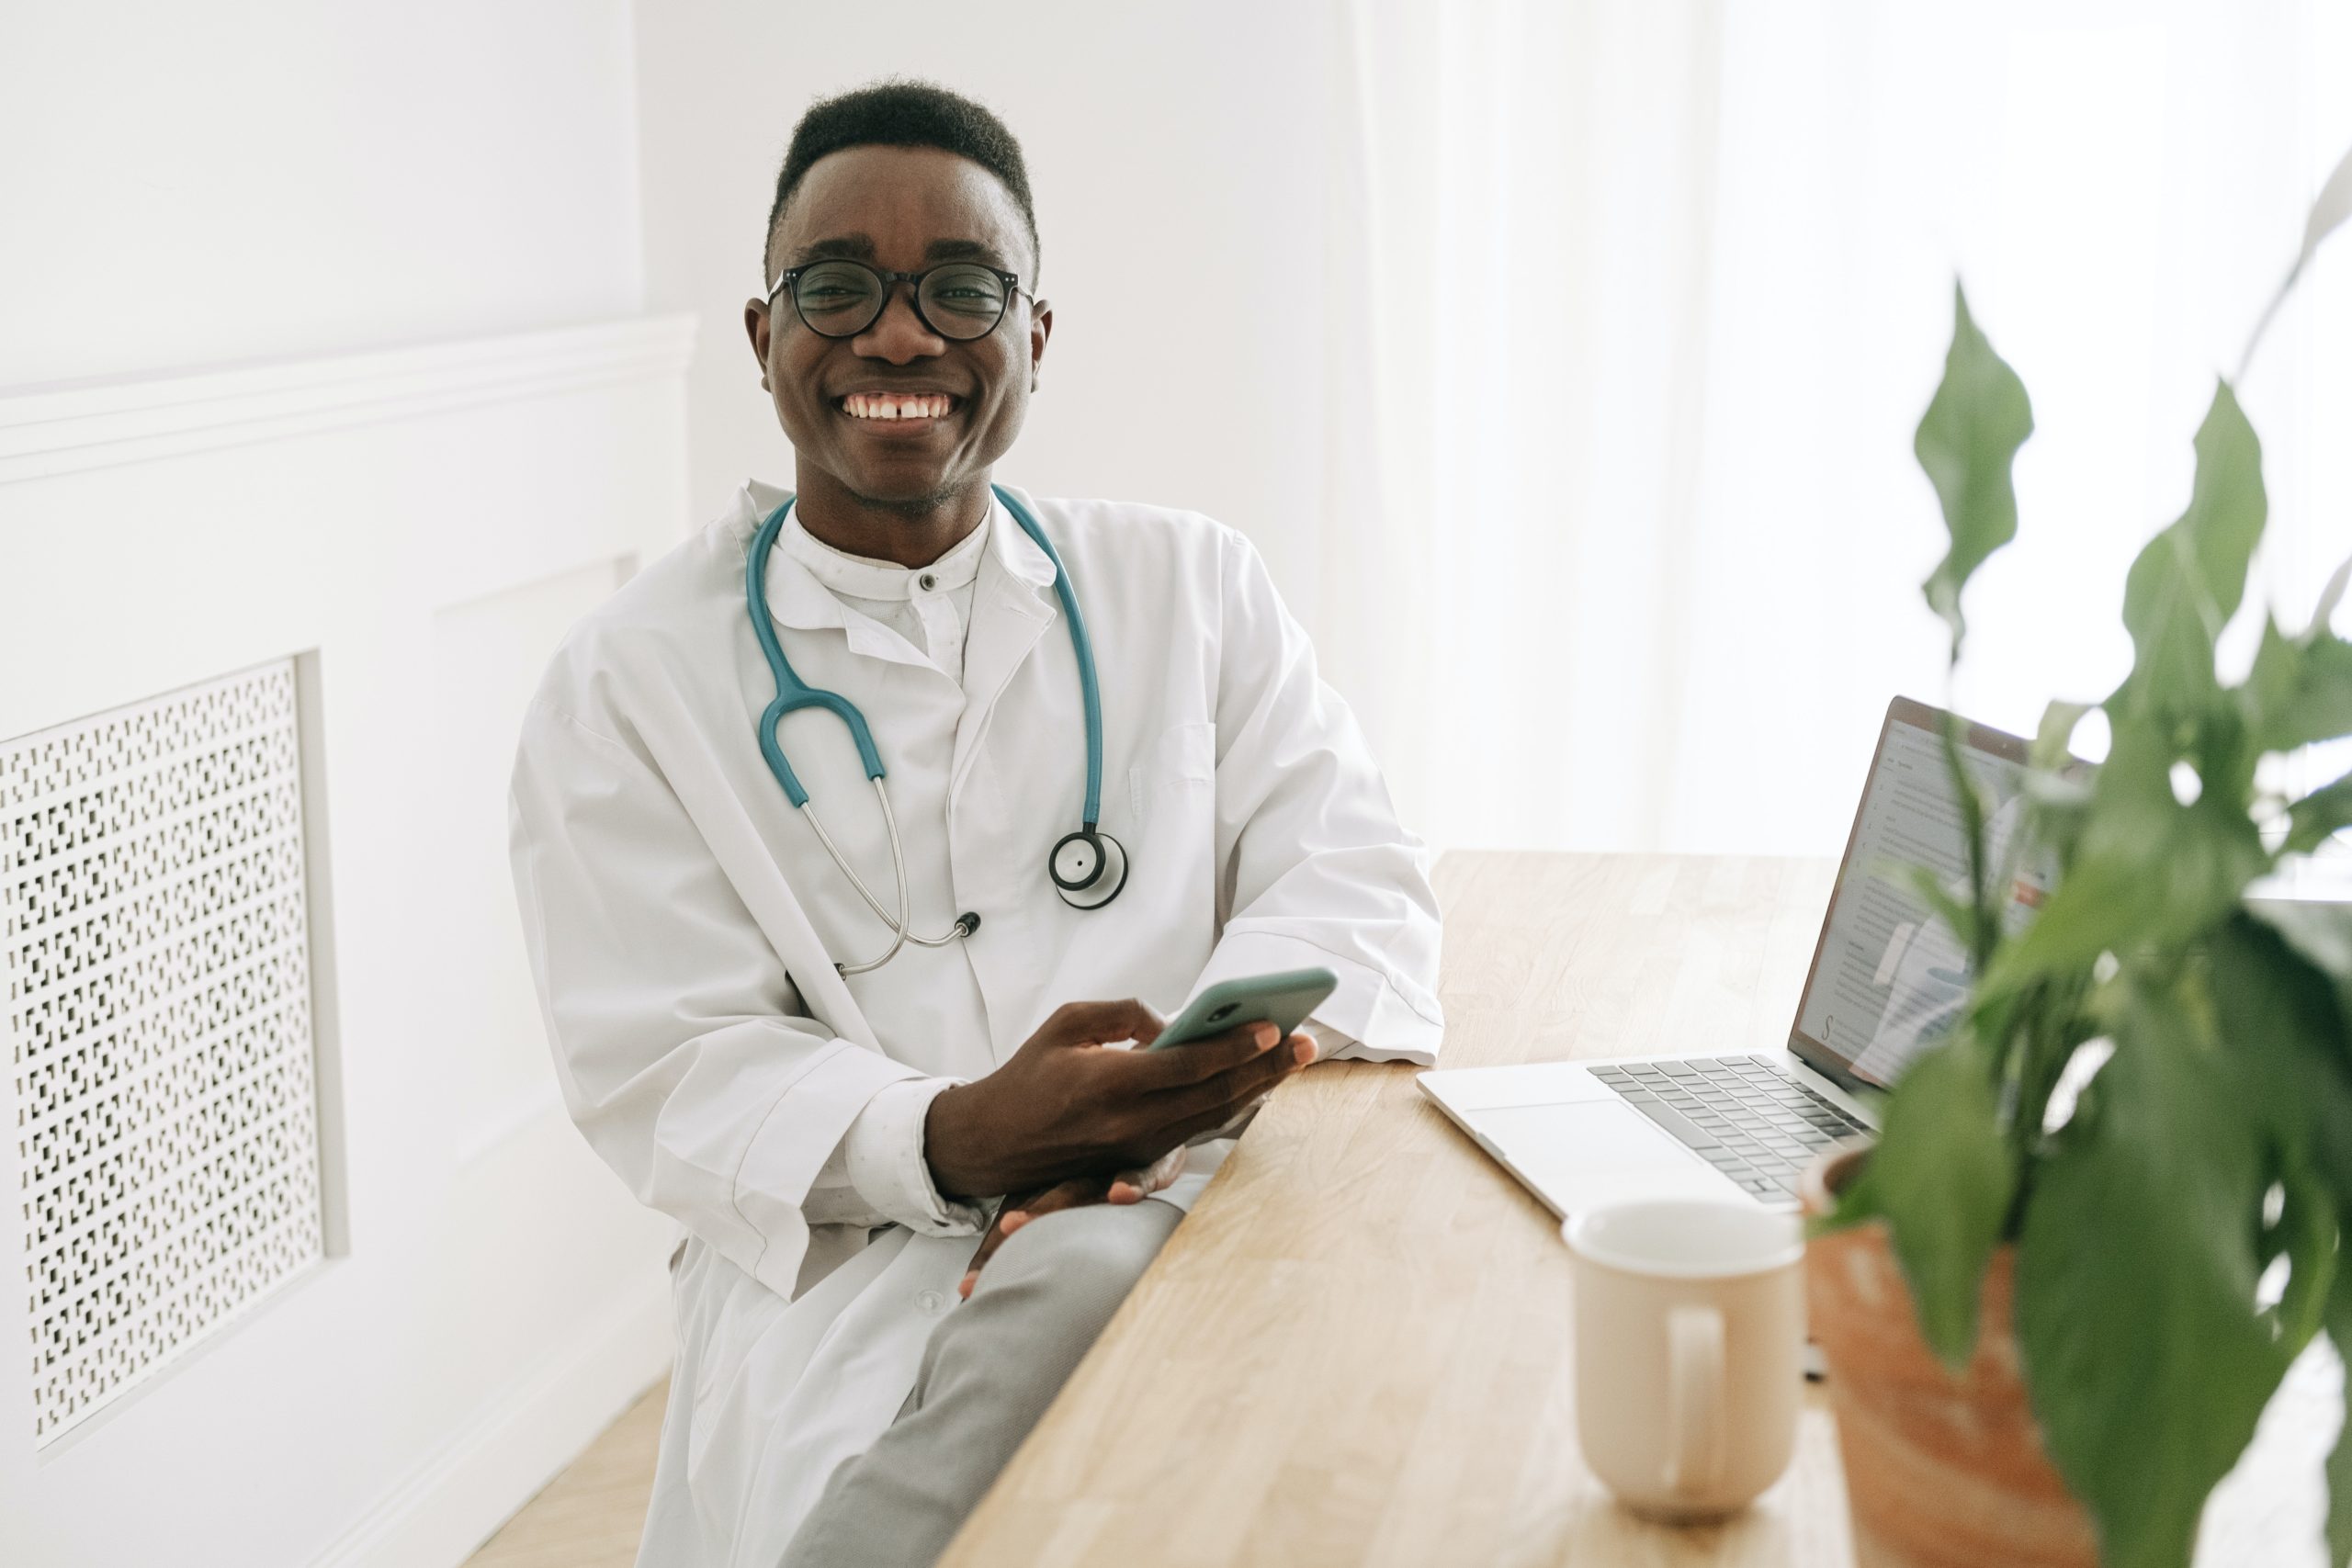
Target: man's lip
{"points": [[903, 389], [954, 400]]}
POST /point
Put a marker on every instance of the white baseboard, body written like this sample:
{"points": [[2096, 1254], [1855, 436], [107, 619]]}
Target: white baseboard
{"points": [[447, 1506]]}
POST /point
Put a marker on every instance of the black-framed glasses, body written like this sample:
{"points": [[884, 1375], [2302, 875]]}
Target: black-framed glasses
{"points": [[839, 297]]}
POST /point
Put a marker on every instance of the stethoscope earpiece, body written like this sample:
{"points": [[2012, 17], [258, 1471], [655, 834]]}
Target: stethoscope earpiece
{"points": [[1088, 867]]}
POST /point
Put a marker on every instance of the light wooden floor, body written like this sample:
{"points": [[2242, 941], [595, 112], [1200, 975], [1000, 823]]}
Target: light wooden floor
{"points": [[588, 1516]]}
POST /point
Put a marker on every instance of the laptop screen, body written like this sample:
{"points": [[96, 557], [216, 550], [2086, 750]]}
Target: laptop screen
{"points": [[1889, 978]]}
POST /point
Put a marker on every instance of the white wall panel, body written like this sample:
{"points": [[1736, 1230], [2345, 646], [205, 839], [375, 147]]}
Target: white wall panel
{"points": [[487, 653], [421, 546]]}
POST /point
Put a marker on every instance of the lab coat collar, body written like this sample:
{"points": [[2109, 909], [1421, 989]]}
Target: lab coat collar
{"points": [[1014, 575], [795, 596], [796, 599], [1015, 550], [862, 577]]}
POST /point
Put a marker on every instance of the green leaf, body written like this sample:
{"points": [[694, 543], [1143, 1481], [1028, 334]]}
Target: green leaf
{"points": [[2306, 1233], [1942, 1179], [2057, 790], [2320, 933], [2300, 691], [2052, 742], [2147, 872], [2147, 1361], [2331, 597], [2284, 1020], [1966, 441], [2188, 580], [2327, 215], [2317, 931], [2339, 1461], [1958, 918], [2293, 999], [2319, 817]]}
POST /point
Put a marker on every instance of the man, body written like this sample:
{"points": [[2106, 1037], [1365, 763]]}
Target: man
{"points": [[834, 1133]]}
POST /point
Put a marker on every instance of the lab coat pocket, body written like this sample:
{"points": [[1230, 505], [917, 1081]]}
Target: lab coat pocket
{"points": [[1170, 837], [1180, 763]]}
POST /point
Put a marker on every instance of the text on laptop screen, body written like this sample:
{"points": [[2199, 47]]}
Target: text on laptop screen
{"points": [[1889, 978]]}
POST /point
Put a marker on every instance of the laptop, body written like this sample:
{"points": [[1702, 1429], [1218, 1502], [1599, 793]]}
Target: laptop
{"points": [[1887, 980]]}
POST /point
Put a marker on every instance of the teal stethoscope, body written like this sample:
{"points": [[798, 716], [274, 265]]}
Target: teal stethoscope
{"points": [[1088, 867]]}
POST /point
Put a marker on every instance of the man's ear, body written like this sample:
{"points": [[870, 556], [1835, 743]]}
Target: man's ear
{"points": [[755, 326], [1041, 327]]}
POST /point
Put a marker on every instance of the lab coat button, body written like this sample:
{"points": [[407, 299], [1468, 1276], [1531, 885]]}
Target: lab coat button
{"points": [[927, 582], [931, 1303]]}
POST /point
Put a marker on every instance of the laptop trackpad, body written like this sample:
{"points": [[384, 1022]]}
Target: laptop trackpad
{"points": [[1596, 1151]]}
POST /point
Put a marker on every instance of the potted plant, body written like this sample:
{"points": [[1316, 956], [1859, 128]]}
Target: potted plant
{"points": [[2116, 1277]]}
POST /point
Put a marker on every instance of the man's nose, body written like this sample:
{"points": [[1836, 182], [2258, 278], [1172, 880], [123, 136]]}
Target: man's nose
{"points": [[898, 334]]}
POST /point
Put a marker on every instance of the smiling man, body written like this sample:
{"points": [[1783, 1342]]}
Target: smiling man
{"points": [[858, 837]]}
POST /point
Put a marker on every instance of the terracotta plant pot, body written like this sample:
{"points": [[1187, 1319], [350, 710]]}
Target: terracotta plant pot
{"points": [[1942, 1472]]}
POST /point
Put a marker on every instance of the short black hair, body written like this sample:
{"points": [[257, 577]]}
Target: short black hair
{"points": [[902, 113]]}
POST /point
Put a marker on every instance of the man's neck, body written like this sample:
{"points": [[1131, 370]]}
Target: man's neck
{"points": [[912, 534]]}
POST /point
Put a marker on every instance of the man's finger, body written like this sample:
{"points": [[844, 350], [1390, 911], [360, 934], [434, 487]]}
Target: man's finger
{"points": [[1182, 1065], [1100, 1023], [1134, 1186], [1077, 1192], [1238, 1084]]}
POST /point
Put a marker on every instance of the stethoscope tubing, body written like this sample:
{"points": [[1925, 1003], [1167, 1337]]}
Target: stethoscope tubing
{"points": [[792, 694], [902, 932]]}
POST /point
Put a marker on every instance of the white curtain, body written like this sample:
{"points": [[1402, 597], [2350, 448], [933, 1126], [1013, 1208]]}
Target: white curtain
{"points": [[1636, 304]]}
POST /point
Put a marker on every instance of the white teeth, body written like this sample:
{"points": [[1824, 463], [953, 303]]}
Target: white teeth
{"points": [[883, 405]]}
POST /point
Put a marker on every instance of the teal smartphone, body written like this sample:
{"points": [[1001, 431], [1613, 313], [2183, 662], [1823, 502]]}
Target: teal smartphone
{"points": [[1282, 1000]]}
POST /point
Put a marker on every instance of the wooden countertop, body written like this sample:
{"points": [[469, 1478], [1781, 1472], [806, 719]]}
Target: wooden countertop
{"points": [[1356, 1350]]}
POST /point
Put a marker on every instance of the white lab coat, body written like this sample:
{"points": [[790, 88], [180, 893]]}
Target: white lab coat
{"points": [[683, 923]]}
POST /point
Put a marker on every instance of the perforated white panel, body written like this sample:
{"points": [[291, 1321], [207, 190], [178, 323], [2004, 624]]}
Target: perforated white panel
{"points": [[156, 951]]}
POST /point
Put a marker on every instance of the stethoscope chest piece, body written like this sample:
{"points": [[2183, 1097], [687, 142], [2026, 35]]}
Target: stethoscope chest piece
{"points": [[1088, 867]]}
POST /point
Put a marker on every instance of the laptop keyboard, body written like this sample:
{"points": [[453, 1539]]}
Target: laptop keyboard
{"points": [[1741, 1114]]}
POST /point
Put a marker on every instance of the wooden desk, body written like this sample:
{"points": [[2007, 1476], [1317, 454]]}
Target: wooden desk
{"points": [[1356, 1349]]}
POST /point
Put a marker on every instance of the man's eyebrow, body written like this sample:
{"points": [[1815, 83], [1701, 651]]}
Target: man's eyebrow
{"points": [[855, 247], [961, 249], [860, 247]]}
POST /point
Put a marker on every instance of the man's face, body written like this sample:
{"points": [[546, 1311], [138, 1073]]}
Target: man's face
{"points": [[903, 210]]}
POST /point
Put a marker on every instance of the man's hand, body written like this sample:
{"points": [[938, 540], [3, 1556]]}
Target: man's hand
{"points": [[1078, 1192], [1069, 1105]]}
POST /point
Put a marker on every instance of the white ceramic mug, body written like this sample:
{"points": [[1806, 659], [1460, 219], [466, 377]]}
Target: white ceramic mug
{"points": [[1690, 1334]]}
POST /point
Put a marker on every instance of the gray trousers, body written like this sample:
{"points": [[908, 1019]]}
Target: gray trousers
{"points": [[989, 1370]]}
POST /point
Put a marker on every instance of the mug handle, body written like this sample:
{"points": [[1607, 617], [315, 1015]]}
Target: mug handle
{"points": [[1694, 1397]]}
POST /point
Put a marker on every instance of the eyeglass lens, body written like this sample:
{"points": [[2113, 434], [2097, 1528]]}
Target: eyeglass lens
{"points": [[842, 299]]}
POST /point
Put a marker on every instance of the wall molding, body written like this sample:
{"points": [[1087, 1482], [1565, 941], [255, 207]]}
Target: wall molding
{"points": [[526, 1433], [46, 431]]}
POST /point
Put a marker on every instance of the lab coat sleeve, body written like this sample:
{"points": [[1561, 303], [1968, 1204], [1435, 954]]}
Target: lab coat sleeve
{"points": [[880, 1173], [679, 1042], [1315, 868]]}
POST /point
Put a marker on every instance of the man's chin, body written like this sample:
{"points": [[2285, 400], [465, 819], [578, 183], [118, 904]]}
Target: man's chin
{"points": [[909, 493]]}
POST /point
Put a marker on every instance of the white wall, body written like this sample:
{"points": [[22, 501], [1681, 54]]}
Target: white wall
{"points": [[189, 187], [1176, 153]]}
